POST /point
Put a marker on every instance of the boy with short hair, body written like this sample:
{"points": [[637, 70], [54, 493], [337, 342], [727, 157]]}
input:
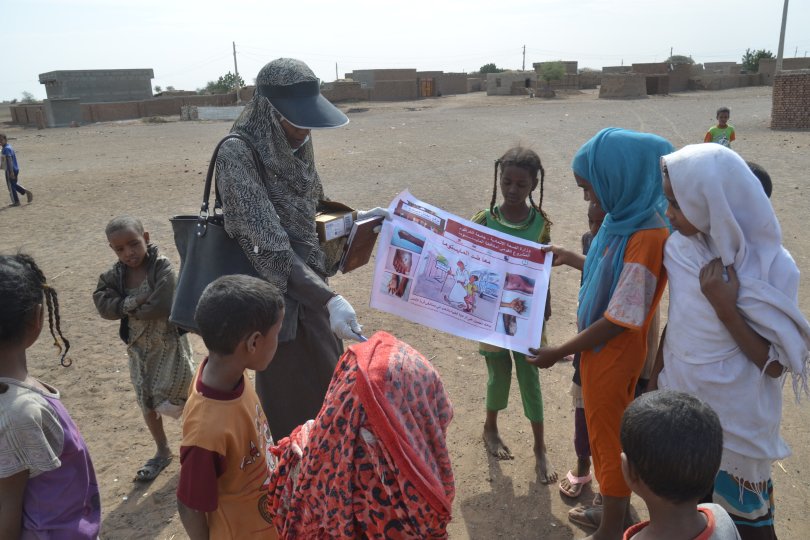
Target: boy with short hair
{"points": [[723, 132], [672, 443], [12, 172], [224, 457]]}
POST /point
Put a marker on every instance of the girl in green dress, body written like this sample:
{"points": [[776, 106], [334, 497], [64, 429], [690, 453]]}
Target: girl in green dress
{"points": [[519, 216]]}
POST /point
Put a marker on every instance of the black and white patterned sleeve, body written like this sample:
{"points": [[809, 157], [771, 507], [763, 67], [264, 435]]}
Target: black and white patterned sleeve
{"points": [[250, 216]]}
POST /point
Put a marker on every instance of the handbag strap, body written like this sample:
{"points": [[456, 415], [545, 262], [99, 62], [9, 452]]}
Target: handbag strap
{"points": [[209, 177]]}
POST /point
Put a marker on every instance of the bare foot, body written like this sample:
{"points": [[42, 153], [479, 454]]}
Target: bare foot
{"points": [[495, 445], [545, 470]]}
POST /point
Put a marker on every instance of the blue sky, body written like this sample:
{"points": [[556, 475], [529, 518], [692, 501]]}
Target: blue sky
{"points": [[189, 43]]}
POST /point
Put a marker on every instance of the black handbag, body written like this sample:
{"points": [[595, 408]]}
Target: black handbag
{"points": [[206, 251]]}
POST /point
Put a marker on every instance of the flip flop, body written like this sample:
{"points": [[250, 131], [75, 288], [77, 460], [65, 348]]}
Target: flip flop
{"points": [[576, 482], [590, 517], [151, 469]]}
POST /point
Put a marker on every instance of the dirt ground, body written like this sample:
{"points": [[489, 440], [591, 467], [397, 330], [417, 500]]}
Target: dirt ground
{"points": [[443, 151]]}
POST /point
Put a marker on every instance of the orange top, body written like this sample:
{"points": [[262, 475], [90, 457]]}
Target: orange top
{"points": [[609, 375], [237, 430]]}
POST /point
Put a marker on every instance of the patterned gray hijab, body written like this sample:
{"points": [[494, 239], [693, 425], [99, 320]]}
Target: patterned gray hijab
{"points": [[269, 233]]}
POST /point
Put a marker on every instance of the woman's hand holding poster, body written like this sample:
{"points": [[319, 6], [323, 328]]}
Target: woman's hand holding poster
{"points": [[448, 273]]}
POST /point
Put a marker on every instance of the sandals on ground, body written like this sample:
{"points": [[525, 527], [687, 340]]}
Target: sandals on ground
{"points": [[151, 469], [576, 484], [586, 516]]}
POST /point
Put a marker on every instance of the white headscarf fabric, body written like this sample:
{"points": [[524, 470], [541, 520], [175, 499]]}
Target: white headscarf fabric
{"points": [[719, 195]]}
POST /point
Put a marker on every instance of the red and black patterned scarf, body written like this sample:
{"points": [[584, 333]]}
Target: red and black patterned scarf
{"points": [[374, 462]]}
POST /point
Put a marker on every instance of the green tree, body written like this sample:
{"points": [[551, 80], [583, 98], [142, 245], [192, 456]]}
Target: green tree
{"points": [[750, 60], [27, 97], [223, 85], [679, 59], [490, 68], [158, 89], [552, 71]]}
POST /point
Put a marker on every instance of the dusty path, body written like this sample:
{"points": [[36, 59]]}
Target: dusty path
{"points": [[443, 151]]}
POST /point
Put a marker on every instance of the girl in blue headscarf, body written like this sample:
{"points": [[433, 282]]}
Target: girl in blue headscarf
{"points": [[622, 281]]}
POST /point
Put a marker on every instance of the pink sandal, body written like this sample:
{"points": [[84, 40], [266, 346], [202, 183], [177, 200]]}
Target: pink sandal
{"points": [[576, 482]]}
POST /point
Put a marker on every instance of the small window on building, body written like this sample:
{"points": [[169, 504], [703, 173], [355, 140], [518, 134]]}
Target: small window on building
{"points": [[528, 83], [497, 82]]}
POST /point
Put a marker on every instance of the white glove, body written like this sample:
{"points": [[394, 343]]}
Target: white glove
{"points": [[379, 211], [343, 319]]}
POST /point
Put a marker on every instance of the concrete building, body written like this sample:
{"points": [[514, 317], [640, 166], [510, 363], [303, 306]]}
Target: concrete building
{"points": [[511, 83], [99, 85], [387, 84]]}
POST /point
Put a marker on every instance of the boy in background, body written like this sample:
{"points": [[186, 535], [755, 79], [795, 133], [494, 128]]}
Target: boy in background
{"points": [[672, 443], [12, 168], [224, 457], [723, 132]]}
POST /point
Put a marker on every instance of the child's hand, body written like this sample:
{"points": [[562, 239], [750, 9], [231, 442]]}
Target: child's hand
{"points": [[142, 298], [561, 255], [544, 357], [721, 293]]}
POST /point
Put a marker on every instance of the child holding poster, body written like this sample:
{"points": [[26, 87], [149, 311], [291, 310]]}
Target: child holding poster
{"points": [[622, 281], [518, 179]]}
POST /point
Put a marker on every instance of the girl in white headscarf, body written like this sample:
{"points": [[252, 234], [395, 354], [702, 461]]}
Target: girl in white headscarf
{"points": [[735, 330]]}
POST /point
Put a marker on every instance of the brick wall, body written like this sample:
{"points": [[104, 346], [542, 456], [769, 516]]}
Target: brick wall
{"points": [[654, 68], [344, 91], [27, 115], [790, 108], [709, 81], [394, 90], [451, 83], [630, 85], [679, 78]]}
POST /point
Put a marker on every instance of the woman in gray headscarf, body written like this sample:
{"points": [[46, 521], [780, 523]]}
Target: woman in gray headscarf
{"points": [[274, 222]]}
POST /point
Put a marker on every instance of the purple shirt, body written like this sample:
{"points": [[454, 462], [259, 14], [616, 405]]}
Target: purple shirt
{"points": [[64, 502], [61, 499]]}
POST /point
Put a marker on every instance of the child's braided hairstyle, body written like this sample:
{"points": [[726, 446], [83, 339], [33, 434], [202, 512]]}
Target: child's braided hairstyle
{"points": [[525, 159], [22, 286]]}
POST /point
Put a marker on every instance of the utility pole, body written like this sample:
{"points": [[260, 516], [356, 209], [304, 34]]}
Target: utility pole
{"points": [[670, 51], [236, 72], [524, 58], [781, 39], [336, 72]]}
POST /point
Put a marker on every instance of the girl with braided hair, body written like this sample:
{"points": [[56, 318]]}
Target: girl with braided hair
{"points": [[519, 216], [44, 461]]}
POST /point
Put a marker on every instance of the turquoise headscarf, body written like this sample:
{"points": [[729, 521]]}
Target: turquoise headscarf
{"points": [[624, 169]]}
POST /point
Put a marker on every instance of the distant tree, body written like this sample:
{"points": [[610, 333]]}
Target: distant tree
{"points": [[27, 97], [677, 59], [170, 89], [158, 89], [552, 71], [490, 68], [750, 60], [223, 85]]}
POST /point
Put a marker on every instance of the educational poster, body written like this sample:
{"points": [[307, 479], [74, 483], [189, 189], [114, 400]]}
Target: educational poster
{"points": [[448, 273]]}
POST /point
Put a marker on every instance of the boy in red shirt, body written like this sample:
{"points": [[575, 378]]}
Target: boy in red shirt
{"points": [[224, 456], [671, 444]]}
